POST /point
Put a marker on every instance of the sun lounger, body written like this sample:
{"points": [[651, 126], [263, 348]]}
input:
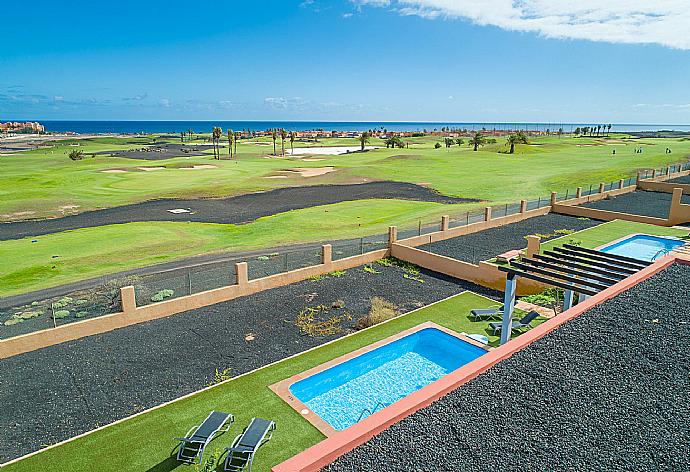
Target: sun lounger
{"points": [[241, 453], [487, 313], [191, 447], [523, 323]]}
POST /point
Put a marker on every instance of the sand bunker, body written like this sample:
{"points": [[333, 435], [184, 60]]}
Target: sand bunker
{"points": [[200, 166], [277, 177], [313, 159], [330, 150], [149, 169], [312, 171], [114, 171]]}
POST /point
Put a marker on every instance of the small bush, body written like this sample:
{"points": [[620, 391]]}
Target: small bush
{"points": [[413, 277], [60, 314], [437, 146], [162, 295], [221, 376], [386, 262], [370, 270], [13, 321], [316, 278], [76, 154], [381, 310], [63, 302], [338, 273], [309, 323], [29, 314], [81, 314]]}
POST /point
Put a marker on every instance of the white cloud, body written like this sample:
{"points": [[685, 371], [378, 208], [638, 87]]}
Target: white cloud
{"points": [[664, 22]]}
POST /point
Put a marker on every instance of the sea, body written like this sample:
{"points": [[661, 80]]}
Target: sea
{"points": [[131, 127]]}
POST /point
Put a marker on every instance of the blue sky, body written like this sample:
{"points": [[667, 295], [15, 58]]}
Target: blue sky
{"points": [[397, 60]]}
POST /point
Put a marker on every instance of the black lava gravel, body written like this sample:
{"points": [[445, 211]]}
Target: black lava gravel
{"points": [[606, 391], [159, 152], [681, 180], [55, 393], [489, 243], [643, 203], [232, 210]]}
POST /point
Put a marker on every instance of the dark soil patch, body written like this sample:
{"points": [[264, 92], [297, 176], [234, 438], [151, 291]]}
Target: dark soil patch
{"points": [[231, 210], [643, 203], [159, 152], [606, 391], [490, 243], [55, 393]]}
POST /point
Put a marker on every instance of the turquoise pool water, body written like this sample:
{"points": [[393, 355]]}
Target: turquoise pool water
{"points": [[644, 246], [349, 392]]}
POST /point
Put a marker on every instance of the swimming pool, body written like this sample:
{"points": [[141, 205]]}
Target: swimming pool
{"points": [[643, 246], [348, 392]]}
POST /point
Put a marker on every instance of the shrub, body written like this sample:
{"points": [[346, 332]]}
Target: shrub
{"points": [[13, 321], [162, 295], [338, 273], [316, 278], [81, 314], [29, 314], [76, 154], [381, 310], [63, 302], [437, 146], [309, 323], [370, 270], [221, 376], [60, 314], [386, 262]]}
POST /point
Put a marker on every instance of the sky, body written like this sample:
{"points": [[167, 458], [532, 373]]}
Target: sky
{"points": [[620, 61]]}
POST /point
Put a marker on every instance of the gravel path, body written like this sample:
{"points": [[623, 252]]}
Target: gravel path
{"points": [[55, 393], [606, 391], [489, 243], [232, 210], [654, 204]]}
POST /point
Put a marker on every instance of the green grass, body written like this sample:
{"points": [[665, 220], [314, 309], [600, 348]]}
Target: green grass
{"points": [[611, 231], [90, 252], [144, 442]]}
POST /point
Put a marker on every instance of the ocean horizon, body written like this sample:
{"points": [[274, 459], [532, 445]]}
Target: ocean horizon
{"points": [[131, 127]]}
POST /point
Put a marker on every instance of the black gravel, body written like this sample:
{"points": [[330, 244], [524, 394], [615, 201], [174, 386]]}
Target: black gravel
{"points": [[159, 152], [606, 391], [231, 210], [681, 180], [643, 203], [489, 243], [55, 393]]}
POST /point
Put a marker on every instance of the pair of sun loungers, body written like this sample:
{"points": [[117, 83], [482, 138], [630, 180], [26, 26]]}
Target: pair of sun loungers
{"points": [[240, 455], [491, 313]]}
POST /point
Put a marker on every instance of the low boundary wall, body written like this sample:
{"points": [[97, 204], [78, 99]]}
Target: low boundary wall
{"points": [[328, 450], [131, 314]]}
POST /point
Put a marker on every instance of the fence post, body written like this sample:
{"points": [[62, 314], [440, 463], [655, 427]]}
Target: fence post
{"points": [[242, 274], [653, 173], [668, 171], [620, 183], [637, 179], [326, 254], [487, 214], [445, 223], [128, 300], [554, 195], [392, 235], [578, 192], [602, 186], [523, 206], [189, 281]]}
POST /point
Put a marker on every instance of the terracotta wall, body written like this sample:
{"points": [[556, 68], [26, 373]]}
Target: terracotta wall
{"points": [[584, 212], [679, 212]]}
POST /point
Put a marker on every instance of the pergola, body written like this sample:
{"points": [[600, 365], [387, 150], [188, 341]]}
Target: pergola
{"points": [[574, 269]]}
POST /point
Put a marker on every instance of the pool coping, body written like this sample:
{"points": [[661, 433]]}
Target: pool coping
{"points": [[601, 247], [325, 452], [282, 388]]}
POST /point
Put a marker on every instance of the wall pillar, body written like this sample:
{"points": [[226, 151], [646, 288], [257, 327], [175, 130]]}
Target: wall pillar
{"points": [[554, 196], [326, 254], [675, 212], [508, 307], [601, 187], [242, 274], [523, 206], [487, 214], [578, 192], [445, 223], [392, 235], [128, 299], [533, 245]]}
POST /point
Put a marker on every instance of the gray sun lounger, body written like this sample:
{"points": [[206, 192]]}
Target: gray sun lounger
{"points": [[486, 313], [245, 445], [523, 323], [191, 447]]}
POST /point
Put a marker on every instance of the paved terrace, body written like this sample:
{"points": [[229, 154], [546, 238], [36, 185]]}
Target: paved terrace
{"points": [[606, 391], [489, 243]]}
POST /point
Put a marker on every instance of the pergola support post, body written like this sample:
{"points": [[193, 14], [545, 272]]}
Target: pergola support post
{"points": [[508, 307], [567, 299]]}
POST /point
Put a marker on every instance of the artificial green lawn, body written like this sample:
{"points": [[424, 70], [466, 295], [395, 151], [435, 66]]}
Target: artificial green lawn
{"points": [[611, 231], [90, 252], [144, 443]]}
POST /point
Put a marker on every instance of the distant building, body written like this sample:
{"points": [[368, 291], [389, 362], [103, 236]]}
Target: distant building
{"points": [[22, 127]]}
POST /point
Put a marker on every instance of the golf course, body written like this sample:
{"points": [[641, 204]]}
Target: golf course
{"points": [[45, 184]]}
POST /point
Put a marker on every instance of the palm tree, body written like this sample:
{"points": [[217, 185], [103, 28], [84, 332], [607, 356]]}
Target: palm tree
{"points": [[477, 140], [363, 139], [190, 133], [231, 135], [448, 142], [293, 135], [274, 135], [609, 129], [217, 133], [283, 135], [517, 138], [459, 141], [237, 138]]}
